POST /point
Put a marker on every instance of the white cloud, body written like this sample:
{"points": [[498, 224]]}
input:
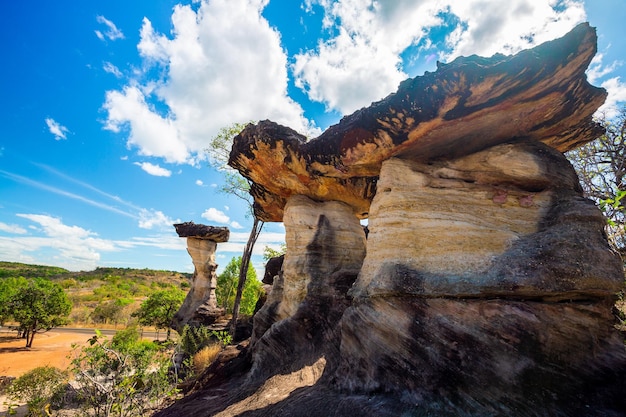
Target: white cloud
{"points": [[51, 242], [616, 89], [222, 64], [155, 170], [235, 225], [362, 62], [111, 69], [215, 215], [74, 247], [150, 219], [12, 228], [614, 86], [58, 130], [199, 183], [112, 32], [152, 133]]}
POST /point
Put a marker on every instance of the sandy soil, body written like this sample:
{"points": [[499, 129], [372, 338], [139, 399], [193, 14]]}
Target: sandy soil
{"points": [[51, 348]]}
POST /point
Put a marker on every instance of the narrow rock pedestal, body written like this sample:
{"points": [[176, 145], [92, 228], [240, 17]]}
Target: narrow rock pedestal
{"points": [[200, 305]]}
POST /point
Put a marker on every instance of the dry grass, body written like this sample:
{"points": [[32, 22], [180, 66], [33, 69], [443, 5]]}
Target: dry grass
{"points": [[205, 357]]}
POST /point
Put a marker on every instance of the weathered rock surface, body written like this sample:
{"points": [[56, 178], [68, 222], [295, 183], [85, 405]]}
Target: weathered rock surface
{"points": [[504, 222], [200, 304], [323, 239], [485, 284], [465, 106]]}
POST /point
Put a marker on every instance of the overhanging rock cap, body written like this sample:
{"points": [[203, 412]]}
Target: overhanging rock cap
{"points": [[202, 231], [470, 104]]}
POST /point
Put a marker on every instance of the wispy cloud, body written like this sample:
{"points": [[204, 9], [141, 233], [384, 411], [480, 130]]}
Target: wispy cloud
{"points": [[615, 87], [150, 219], [111, 32], [12, 228], [146, 218], [27, 181], [155, 170], [58, 130], [111, 69], [50, 241]]}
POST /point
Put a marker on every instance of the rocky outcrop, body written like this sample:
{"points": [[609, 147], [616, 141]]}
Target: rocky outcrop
{"points": [[200, 305], [485, 284], [465, 106], [324, 240], [500, 304]]}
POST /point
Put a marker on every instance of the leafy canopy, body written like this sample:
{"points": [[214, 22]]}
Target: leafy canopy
{"points": [[38, 304], [227, 287], [159, 308]]}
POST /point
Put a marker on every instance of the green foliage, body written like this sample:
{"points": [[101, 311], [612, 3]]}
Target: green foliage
{"points": [[219, 153], [269, 253], [8, 292], [159, 308], [194, 338], [38, 304], [122, 377], [39, 388], [601, 168], [111, 311], [227, 288]]}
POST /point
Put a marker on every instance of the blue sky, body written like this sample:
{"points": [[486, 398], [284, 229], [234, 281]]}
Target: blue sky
{"points": [[107, 106]]}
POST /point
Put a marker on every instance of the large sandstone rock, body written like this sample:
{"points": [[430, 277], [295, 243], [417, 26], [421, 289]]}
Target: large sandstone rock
{"points": [[465, 106], [486, 289], [486, 283], [323, 240], [200, 304]]}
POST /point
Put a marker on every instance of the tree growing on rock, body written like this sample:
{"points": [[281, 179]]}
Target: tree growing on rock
{"points": [[234, 184]]}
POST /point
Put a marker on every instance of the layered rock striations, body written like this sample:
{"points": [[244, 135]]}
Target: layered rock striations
{"points": [[200, 304], [465, 106], [485, 284]]}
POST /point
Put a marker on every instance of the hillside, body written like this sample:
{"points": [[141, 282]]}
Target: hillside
{"points": [[104, 295]]}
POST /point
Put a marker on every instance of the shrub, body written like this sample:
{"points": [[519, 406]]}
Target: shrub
{"points": [[203, 358], [39, 388], [121, 377]]}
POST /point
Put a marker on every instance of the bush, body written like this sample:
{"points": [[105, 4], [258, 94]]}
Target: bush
{"points": [[203, 358], [39, 388], [122, 377]]}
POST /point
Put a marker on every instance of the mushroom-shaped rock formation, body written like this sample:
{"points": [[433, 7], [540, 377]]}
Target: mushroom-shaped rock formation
{"points": [[200, 305], [465, 106], [485, 284]]}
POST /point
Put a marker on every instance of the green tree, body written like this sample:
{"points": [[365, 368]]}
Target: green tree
{"points": [[227, 283], [159, 308], [269, 253], [8, 290], [39, 305], [234, 184], [601, 168]]}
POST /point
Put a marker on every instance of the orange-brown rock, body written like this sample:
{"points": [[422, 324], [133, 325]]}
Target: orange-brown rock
{"points": [[467, 105]]}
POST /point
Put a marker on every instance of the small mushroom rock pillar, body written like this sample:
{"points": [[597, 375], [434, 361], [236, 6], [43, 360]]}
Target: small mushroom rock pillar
{"points": [[200, 305]]}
